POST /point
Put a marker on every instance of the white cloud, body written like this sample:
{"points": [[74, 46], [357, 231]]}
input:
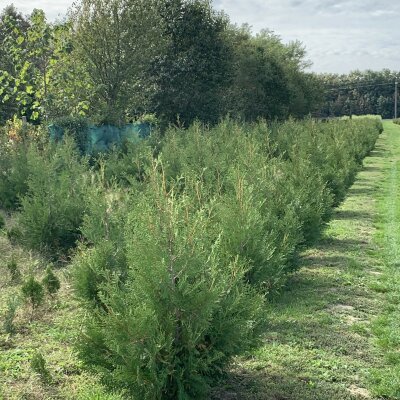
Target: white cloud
{"points": [[383, 13], [340, 35]]}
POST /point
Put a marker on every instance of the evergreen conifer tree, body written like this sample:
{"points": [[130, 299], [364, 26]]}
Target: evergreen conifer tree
{"points": [[183, 309]]}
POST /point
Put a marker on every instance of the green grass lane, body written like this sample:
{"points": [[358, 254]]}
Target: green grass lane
{"points": [[386, 381], [334, 332]]}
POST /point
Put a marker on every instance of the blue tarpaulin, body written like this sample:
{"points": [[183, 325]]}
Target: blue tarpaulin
{"points": [[100, 139]]}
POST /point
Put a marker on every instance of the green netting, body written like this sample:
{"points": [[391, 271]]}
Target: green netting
{"points": [[99, 139]]}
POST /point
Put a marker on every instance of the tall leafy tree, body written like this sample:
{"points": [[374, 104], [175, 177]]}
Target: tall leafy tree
{"points": [[190, 76], [368, 92], [115, 40], [268, 79], [12, 23], [259, 87], [180, 59], [70, 89], [14, 70], [27, 64]]}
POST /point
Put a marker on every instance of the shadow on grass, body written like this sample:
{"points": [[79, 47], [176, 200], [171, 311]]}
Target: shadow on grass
{"points": [[362, 190], [379, 151], [333, 260], [352, 214], [311, 319], [341, 246], [275, 385], [323, 334], [371, 168]]}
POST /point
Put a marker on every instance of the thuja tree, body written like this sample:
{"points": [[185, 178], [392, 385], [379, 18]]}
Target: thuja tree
{"points": [[263, 201], [14, 172], [12, 24], [181, 311], [52, 210]]}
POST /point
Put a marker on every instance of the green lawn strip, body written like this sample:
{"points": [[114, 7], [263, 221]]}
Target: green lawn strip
{"points": [[386, 381], [320, 343], [50, 330]]}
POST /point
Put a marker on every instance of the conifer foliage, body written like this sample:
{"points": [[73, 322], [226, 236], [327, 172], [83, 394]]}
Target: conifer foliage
{"points": [[178, 248], [33, 292], [183, 309], [51, 282], [53, 208]]}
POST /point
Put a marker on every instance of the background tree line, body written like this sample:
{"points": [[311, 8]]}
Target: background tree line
{"points": [[113, 61], [360, 93]]}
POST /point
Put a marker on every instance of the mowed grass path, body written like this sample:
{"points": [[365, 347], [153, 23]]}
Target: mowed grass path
{"points": [[334, 332]]}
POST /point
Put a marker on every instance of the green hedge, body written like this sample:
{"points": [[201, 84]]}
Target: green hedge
{"points": [[182, 237], [180, 250]]}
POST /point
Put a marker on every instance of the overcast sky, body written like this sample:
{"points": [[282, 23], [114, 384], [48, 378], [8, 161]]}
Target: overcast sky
{"points": [[339, 35]]}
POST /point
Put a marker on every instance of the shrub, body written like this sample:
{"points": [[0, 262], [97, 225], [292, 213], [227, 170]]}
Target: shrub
{"points": [[14, 234], [8, 323], [50, 282], [13, 270], [397, 121], [2, 221], [95, 266], [260, 227], [274, 185], [334, 149], [33, 292], [168, 327], [310, 197], [74, 127], [172, 267], [102, 229], [14, 172], [53, 208], [127, 165], [19, 148], [267, 204], [38, 365]]}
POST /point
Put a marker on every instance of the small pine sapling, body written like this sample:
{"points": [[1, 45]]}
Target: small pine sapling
{"points": [[14, 235], [38, 365], [33, 292], [14, 271], [51, 282], [8, 323]]}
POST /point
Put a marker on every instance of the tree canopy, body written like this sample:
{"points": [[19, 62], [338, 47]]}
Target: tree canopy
{"points": [[114, 61], [369, 92]]}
